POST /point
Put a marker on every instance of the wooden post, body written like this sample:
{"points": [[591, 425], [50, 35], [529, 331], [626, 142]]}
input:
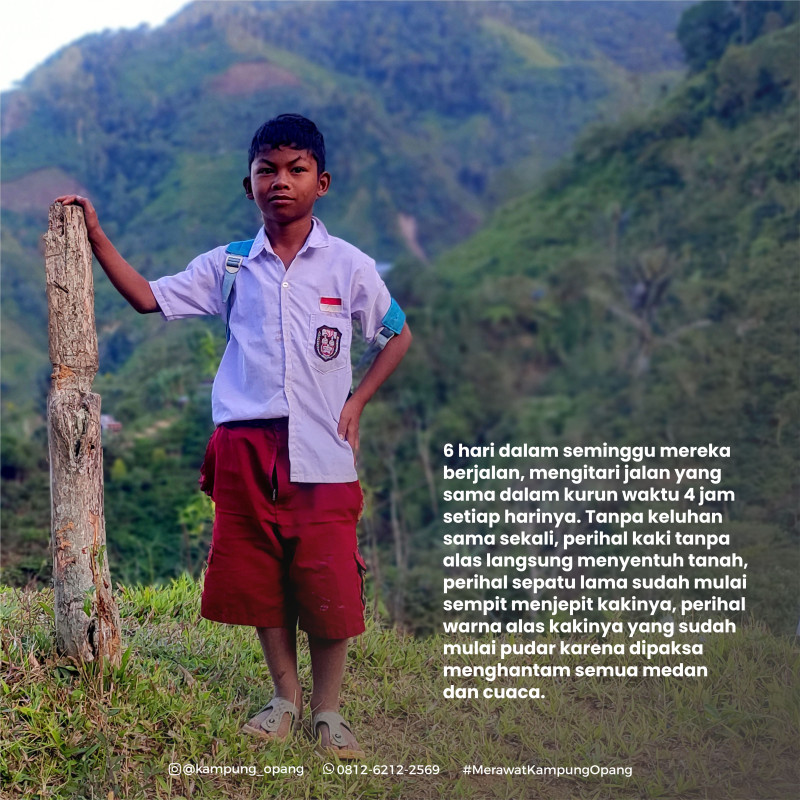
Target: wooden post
{"points": [[78, 534]]}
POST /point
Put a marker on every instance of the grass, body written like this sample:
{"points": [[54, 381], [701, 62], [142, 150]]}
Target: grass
{"points": [[186, 686]]}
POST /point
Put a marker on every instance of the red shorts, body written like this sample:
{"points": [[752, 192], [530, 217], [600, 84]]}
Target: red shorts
{"points": [[281, 552]]}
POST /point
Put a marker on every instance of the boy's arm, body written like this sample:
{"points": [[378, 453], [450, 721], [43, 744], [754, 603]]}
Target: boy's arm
{"points": [[382, 367], [126, 280]]}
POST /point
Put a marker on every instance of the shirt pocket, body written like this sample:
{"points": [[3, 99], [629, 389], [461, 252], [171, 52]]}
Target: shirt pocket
{"points": [[329, 342]]}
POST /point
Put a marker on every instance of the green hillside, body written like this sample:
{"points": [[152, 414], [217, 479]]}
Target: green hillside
{"points": [[648, 293], [432, 111], [645, 292], [423, 106]]}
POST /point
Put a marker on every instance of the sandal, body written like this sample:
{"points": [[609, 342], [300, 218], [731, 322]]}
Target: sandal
{"points": [[337, 746], [266, 723]]}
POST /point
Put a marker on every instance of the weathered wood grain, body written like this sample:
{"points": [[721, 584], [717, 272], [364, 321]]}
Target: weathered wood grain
{"points": [[81, 575]]}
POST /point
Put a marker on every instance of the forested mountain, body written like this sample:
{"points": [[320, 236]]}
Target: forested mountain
{"points": [[433, 113], [645, 291]]}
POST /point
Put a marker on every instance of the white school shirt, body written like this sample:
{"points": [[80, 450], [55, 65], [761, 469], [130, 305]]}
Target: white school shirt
{"points": [[290, 334]]}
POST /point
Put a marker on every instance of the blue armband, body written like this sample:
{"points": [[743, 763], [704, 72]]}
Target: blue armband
{"points": [[393, 321], [395, 318]]}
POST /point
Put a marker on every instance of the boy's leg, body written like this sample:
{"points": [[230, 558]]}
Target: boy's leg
{"points": [[317, 523], [328, 658], [280, 651]]}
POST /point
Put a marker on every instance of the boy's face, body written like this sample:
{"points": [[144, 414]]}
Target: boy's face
{"points": [[285, 184]]}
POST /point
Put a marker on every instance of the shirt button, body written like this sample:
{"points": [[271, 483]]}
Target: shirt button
{"points": [[285, 285]]}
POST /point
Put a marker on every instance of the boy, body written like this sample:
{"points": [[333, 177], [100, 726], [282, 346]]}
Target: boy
{"points": [[280, 465]]}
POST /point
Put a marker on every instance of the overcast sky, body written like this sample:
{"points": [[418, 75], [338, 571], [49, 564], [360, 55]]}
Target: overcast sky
{"points": [[32, 30]]}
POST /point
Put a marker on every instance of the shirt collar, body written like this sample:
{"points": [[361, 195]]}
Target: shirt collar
{"points": [[318, 237]]}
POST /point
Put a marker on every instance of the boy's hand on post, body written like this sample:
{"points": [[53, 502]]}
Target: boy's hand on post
{"points": [[348, 423], [89, 213], [126, 280]]}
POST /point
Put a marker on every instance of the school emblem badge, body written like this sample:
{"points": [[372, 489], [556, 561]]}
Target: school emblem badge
{"points": [[328, 342]]}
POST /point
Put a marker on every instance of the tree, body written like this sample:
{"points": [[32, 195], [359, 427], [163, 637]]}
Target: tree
{"points": [[704, 32]]}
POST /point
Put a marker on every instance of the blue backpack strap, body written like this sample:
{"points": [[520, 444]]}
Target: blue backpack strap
{"points": [[236, 252]]}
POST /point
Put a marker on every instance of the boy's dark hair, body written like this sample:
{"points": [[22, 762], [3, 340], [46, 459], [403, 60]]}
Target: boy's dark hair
{"points": [[289, 130]]}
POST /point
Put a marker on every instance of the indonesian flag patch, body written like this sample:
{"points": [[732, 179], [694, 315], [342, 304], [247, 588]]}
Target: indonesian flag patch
{"points": [[327, 342], [330, 304]]}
